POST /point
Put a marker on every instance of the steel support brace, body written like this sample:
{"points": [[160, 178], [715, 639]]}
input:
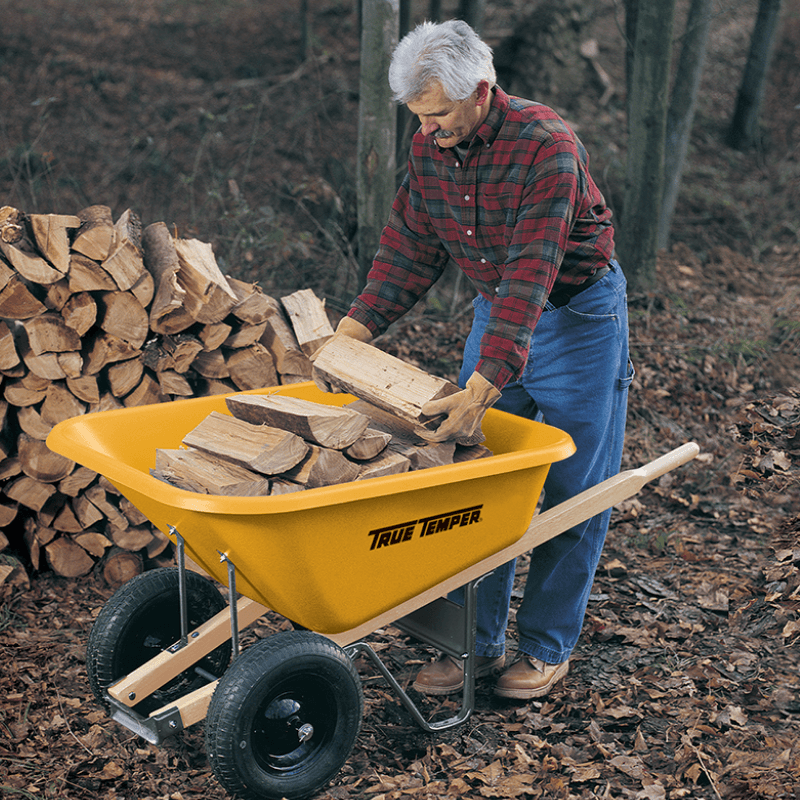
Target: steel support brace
{"points": [[454, 632]]}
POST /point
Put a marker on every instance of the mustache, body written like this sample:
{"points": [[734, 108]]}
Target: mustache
{"points": [[443, 134]]}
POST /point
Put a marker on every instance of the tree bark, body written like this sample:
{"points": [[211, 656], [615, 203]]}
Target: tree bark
{"points": [[743, 132], [647, 110], [680, 115], [377, 121]]}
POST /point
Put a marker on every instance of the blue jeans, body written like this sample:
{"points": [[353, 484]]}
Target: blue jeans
{"points": [[576, 379]]}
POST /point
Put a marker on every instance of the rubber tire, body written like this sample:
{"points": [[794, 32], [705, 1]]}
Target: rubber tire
{"points": [[294, 673], [141, 619]]}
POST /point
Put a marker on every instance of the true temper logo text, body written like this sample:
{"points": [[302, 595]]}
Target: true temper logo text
{"points": [[396, 534]]}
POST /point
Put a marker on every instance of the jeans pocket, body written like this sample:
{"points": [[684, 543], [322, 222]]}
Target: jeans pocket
{"points": [[627, 379]]}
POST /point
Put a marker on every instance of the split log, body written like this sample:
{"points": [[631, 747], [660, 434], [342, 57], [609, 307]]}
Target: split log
{"points": [[212, 336], [49, 333], [322, 467], [144, 289], [131, 538], [38, 461], [52, 239], [280, 340], [124, 376], [124, 262], [208, 297], [29, 492], [211, 365], [173, 383], [32, 423], [29, 264], [121, 314], [95, 236], [84, 388], [93, 543], [196, 471], [86, 275], [306, 313], [182, 349], [253, 306], [18, 302], [70, 364], [97, 496], [9, 357], [77, 481], [86, 511], [321, 424], [18, 394], [167, 312], [8, 512], [245, 335], [369, 446], [381, 379], [257, 447], [389, 463], [60, 404], [66, 521], [146, 393], [103, 348], [252, 368], [67, 559]]}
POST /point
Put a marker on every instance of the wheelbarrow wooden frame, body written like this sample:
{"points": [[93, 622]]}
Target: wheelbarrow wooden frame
{"points": [[194, 645]]}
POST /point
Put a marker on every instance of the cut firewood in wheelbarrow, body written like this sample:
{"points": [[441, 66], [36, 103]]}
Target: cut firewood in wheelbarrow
{"points": [[327, 426], [363, 370], [196, 471], [269, 451]]}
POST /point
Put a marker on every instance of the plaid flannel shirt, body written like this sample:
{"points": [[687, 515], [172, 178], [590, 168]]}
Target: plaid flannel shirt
{"points": [[519, 216]]}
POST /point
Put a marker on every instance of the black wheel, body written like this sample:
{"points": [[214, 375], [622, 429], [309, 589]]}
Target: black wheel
{"points": [[141, 619], [284, 717]]}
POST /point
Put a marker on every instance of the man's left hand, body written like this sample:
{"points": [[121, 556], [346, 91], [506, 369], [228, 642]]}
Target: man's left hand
{"points": [[463, 410]]}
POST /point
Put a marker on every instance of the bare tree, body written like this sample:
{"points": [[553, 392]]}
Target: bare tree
{"points": [[647, 111], [680, 114], [377, 121], [743, 132]]}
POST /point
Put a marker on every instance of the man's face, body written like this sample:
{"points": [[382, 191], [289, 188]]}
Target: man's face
{"points": [[450, 122]]}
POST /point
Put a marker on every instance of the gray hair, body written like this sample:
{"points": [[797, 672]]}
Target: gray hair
{"points": [[448, 52]]}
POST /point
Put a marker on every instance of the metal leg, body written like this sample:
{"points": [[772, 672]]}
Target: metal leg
{"points": [[183, 601], [449, 627], [232, 603]]}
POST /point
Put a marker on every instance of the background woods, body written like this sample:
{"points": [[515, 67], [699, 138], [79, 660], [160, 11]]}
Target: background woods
{"points": [[234, 124]]}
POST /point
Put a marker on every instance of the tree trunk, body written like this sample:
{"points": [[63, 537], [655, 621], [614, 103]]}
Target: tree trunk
{"points": [[472, 12], [647, 111], [682, 107], [743, 132], [377, 120]]}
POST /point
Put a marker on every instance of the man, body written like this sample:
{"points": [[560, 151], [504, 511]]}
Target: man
{"points": [[501, 185]]}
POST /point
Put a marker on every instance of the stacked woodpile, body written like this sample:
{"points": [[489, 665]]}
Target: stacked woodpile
{"points": [[97, 313]]}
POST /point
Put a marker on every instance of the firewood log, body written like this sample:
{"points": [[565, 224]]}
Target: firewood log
{"points": [[257, 447], [208, 297], [167, 312], [280, 340], [118, 566], [95, 235], [322, 467], [86, 275], [196, 471], [38, 461], [306, 313], [124, 262], [121, 314], [321, 424], [50, 232], [252, 368]]}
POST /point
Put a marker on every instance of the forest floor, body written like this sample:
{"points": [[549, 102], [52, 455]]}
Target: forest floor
{"points": [[684, 682]]}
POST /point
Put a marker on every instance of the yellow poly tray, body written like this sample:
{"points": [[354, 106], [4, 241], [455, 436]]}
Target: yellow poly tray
{"points": [[331, 558]]}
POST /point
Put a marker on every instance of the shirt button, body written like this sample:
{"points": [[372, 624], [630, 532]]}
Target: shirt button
{"points": [[466, 197], [469, 233], [483, 261]]}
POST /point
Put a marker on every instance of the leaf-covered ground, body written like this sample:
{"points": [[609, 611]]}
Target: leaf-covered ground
{"points": [[684, 683]]}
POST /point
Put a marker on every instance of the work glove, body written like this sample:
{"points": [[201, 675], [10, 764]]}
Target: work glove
{"points": [[463, 410]]}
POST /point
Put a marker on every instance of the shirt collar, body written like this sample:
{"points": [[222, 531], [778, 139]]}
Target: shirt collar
{"points": [[490, 128]]}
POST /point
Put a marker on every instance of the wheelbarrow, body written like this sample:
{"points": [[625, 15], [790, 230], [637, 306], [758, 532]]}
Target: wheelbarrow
{"points": [[340, 562]]}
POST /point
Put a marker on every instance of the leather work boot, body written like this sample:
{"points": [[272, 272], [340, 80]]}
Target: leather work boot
{"points": [[446, 675], [529, 677]]}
